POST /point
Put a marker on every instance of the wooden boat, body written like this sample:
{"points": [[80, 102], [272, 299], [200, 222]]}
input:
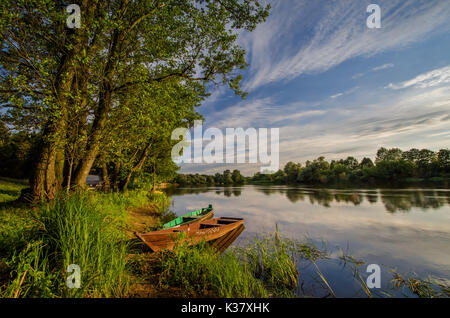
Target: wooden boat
{"points": [[194, 216], [219, 233]]}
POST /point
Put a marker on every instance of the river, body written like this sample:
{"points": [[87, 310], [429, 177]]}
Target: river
{"points": [[407, 229]]}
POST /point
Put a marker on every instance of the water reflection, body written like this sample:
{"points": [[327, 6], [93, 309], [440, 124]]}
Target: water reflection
{"points": [[394, 200], [381, 226]]}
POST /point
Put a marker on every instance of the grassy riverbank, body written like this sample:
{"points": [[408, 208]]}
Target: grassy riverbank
{"points": [[95, 231]]}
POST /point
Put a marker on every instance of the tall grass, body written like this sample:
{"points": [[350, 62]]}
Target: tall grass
{"points": [[33, 274], [273, 261], [87, 229], [431, 287], [201, 272], [265, 267], [76, 231]]}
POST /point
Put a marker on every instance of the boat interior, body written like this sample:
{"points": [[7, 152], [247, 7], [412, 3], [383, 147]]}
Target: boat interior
{"points": [[214, 223]]}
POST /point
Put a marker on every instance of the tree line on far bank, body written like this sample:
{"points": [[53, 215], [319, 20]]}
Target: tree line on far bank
{"points": [[225, 178], [390, 165]]}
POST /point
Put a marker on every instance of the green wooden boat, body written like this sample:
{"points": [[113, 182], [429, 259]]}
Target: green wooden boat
{"points": [[194, 216]]}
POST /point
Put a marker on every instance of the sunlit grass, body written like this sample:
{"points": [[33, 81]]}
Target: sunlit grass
{"points": [[37, 244]]}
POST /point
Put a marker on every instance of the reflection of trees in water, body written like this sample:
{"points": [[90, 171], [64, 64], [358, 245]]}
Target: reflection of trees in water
{"points": [[354, 198], [393, 200], [237, 192], [268, 191], [294, 195], [182, 191], [322, 197], [228, 192], [404, 201], [372, 197]]}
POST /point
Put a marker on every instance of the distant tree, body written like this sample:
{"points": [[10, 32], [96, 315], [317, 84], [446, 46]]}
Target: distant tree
{"points": [[210, 180], [218, 178], [366, 163], [279, 177], [443, 159], [351, 162], [292, 170], [384, 154], [227, 179], [394, 170], [237, 177], [425, 157], [411, 155]]}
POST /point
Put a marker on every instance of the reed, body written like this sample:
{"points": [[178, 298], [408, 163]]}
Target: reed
{"points": [[76, 231], [201, 272]]}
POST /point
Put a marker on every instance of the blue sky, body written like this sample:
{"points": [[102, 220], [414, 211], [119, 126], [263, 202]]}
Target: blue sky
{"points": [[337, 88]]}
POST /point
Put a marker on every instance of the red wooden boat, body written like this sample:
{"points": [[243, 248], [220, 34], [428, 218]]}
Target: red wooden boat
{"points": [[219, 233]]}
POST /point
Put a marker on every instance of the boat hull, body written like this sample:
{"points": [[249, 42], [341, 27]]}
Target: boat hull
{"points": [[219, 233]]}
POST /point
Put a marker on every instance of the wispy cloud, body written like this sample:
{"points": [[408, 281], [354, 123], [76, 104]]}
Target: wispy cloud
{"points": [[337, 95], [430, 79], [356, 127], [383, 67], [412, 118], [337, 31], [358, 75], [348, 92]]}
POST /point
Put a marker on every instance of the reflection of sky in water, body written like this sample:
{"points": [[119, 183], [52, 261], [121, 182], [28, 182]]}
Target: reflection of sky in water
{"points": [[406, 229]]}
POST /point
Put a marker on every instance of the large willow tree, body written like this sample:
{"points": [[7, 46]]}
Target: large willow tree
{"points": [[141, 66]]}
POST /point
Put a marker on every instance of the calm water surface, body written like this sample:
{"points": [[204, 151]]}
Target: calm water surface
{"points": [[405, 229]]}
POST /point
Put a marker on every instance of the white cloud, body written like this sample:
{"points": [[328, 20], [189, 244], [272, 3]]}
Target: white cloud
{"points": [[337, 95], [383, 67], [333, 32], [430, 79], [358, 75], [405, 119]]}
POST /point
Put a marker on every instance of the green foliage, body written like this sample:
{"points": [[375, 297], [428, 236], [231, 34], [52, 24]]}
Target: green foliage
{"points": [[227, 178], [108, 95], [17, 154], [392, 165], [33, 276]]}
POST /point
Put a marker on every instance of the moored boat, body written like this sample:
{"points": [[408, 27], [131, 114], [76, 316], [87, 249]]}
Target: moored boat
{"points": [[219, 233], [194, 216]]}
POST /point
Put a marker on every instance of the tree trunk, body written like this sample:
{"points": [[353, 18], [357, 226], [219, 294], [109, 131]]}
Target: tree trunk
{"points": [[105, 176], [44, 182], [138, 166], [93, 142], [116, 176], [101, 116]]}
